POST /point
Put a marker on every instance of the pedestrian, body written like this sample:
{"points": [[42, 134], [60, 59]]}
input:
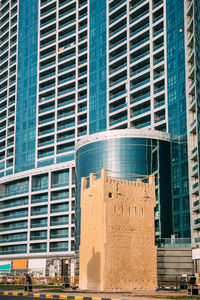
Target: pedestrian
{"points": [[29, 282]]}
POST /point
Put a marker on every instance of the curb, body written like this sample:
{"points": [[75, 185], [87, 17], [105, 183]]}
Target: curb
{"points": [[53, 296]]}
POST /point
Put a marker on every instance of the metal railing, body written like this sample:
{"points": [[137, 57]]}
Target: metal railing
{"points": [[173, 243]]}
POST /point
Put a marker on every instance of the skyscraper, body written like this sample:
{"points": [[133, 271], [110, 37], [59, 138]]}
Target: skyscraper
{"points": [[192, 46], [72, 68]]}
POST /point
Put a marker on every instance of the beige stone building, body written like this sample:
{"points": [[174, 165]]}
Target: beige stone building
{"points": [[117, 251]]}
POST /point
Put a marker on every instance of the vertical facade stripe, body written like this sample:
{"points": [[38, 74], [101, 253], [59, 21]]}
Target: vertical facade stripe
{"points": [[97, 76], [26, 85], [177, 115]]}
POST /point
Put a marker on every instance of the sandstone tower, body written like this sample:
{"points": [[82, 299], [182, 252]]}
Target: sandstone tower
{"points": [[117, 251]]}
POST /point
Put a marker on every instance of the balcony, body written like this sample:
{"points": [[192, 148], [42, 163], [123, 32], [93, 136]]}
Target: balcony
{"points": [[12, 240], [138, 17], [38, 250], [145, 124], [47, 33], [13, 227], [158, 60], [47, 87], [38, 237], [159, 104], [14, 216], [158, 32], [117, 56], [48, 22], [118, 43], [58, 223], [67, 35], [156, 76], [118, 107], [194, 150], [61, 127], [58, 210], [122, 119], [140, 84], [117, 30], [43, 13], [193, 123], [117, 5], [158, 90], [139, 57], [118, 94], [136, 5], [12, 251], [194, 186], [118, 68], [158, 4], [158, 18], [36, 225], [118, 17], [45, 2], [139, 30], [140, 70], [159, 119], [47, 65], [58, 236], [139, 43], [140, 112], [57, 249], [39, 212]]}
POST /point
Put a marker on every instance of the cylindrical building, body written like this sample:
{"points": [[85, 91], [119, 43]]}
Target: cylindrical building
{"points": [[129, 154]]}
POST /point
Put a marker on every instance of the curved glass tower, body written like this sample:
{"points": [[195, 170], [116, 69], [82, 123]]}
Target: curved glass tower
{"points": [[131, 154]]}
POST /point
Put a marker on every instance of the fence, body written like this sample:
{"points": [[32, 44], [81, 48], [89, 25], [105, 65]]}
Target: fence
{"points": [[56, 280]]}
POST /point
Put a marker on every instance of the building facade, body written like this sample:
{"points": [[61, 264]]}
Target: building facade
{"points": [[72, 68], [192, 47], [128, 154]]}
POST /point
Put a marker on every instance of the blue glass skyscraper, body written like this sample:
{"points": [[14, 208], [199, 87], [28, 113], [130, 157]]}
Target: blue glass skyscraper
{"points": [[73, 68]]}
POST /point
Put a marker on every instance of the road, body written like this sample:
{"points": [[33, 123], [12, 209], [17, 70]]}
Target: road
{"points": [[3, 297]]}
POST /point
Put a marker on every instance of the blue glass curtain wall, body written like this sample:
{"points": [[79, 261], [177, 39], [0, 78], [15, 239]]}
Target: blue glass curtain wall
{"points": [[97, 56], [26, 85], [177, 115]]}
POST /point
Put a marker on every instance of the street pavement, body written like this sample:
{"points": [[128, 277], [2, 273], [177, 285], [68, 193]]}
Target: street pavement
{"points": [[78, 295], [3, 297]]}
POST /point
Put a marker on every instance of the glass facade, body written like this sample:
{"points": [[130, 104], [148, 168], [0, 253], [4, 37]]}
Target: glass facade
{"points": [[98, 67], [177, 118], [26, 85], [70, 69], [123, 157]]}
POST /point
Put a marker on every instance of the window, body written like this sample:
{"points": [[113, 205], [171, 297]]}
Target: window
{"points": [[176, 221], [60, 178], [176, 204]]}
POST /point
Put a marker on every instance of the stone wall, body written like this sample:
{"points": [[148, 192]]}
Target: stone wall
{"points": [[117, 250]]}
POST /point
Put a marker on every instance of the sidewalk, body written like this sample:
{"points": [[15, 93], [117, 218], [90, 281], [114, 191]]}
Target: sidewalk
{"points": [[80, 295]]}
